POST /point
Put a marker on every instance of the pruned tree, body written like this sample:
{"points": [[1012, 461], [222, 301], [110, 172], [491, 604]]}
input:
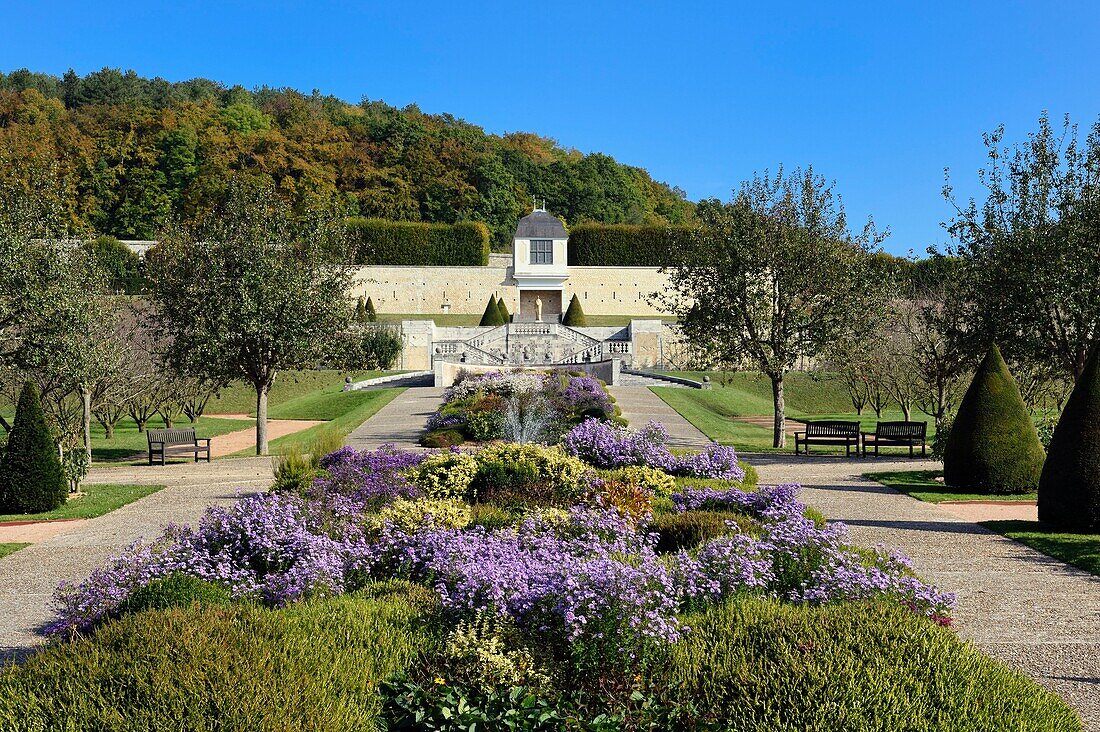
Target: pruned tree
{"points": [[1029, 250], [250, 292], [773, 276]]}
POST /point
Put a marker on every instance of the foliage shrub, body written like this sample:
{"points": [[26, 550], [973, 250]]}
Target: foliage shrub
{"points": [[366, 346], [295, 471], [626, 245], [505, 316], [755, 665], [491, 316], [32, 479], [1069, 489], [413, 514], [492, 517], [416, 244], [689, 529], [174, 591], [993, 446], [574, 314], [529, 474], [446, 475], [442, 438], [210, 668], [654, 481], [120, 265], [483, 425]]}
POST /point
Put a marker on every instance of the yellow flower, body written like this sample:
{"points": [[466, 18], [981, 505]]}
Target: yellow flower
{"points": [[440, 680]]}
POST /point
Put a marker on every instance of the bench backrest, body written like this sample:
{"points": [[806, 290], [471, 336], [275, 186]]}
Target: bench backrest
{"points": [[832, 428], [901, 429], [172, 436]]}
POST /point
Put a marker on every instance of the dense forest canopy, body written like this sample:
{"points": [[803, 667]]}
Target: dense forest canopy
{"points": [[136, 152]]}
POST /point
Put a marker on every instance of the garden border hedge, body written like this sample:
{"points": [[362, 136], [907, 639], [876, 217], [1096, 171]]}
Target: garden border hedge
{"points": [[625, 245], [418, 244]]}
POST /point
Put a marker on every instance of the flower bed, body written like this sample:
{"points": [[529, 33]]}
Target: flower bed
{"points": [[520, 406], [570, 592]]}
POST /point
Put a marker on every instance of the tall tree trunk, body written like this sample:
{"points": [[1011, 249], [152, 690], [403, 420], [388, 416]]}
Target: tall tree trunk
{"points": [[779, 435], [261, 418], [108, 430], [86, 404]]}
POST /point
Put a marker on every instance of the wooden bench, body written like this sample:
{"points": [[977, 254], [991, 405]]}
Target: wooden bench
{"points": [[177, 441], [898, 434], [828, 432]]}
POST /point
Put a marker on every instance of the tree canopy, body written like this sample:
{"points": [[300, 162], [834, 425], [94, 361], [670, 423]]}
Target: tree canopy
{"points": [[138, 151]]}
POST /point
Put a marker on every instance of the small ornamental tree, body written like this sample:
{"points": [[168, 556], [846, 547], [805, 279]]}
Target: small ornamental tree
{"points": [[574, 314], [993, 446], [361, 310], [491, 316], [1069, 489], [372, 314], [32, 480], [250, 292], [505, 316]]}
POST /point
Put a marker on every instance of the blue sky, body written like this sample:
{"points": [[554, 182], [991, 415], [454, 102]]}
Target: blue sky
{"points": [[878, 96]]}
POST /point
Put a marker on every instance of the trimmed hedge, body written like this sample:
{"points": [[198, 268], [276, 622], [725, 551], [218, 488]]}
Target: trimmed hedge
{"points": [[756, 665], [626, 245], [1069, 489], [993, 446], [31, 478], [492, 315], [312, 665], [417, 244], [574, 314]]}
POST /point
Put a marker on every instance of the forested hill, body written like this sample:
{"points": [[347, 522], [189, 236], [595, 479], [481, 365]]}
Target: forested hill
{"points": [[136, 151]]}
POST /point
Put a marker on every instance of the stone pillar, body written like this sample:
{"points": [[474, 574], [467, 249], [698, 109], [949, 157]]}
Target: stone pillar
{"points": [[418, 337]]}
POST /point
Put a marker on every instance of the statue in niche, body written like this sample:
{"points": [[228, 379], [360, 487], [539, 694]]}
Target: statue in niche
{"points": [[526, 353], [538, 309]]}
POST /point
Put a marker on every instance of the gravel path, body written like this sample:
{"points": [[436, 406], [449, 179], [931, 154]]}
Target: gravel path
{"points": [[1017, 604], [29, 577], [641, 405]]}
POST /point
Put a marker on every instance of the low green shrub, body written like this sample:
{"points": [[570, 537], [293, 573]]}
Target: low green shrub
{"points": [[687, 530], [574, 314], [442, 438], [417, 244], [1069, 488], [315, 664], [410, 515], [446, 475], [657, 482], [530, 475], [294, 471], [483, 426], [491, 517], [174, 591], [31, 477], [757, 665]]}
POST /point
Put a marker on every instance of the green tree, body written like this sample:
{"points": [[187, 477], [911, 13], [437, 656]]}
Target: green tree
{"points": [[372, 314], [774, 276], [574, 314], [120, 265], [1069, 488], [1029, 249], [31, 480], [505, 316], [993, 446], [491, 316], [361, 310], [250, 292]]}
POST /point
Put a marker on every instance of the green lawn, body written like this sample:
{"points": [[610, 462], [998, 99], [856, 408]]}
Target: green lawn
{"points": [[343, 412], [6, 549], [98, 500], [128, 442], [1080, 550], [808, 396], [921, 484], [240, 398]]}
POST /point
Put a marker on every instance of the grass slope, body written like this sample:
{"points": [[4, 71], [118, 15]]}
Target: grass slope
{"points": [[343, 412], [1080, 550], [922, 485], [6, 549], [240, 398], [96, 501]]}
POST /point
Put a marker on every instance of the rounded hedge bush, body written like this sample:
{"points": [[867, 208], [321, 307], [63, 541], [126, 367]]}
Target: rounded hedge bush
{"points": [[31, 478], [574, 314], [993, 446], [756, 665], [1069, 489], [175, 590]]}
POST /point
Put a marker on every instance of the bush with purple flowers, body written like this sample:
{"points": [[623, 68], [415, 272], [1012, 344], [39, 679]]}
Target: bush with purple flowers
{"points": [[608, 445]]}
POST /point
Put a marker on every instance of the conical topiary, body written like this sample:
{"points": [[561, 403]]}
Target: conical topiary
{"points": [[361, 310], [1069, 489], [574, 314], [993, 446], [491, 316], [31, 480], [372, 314], [505, 316]]}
